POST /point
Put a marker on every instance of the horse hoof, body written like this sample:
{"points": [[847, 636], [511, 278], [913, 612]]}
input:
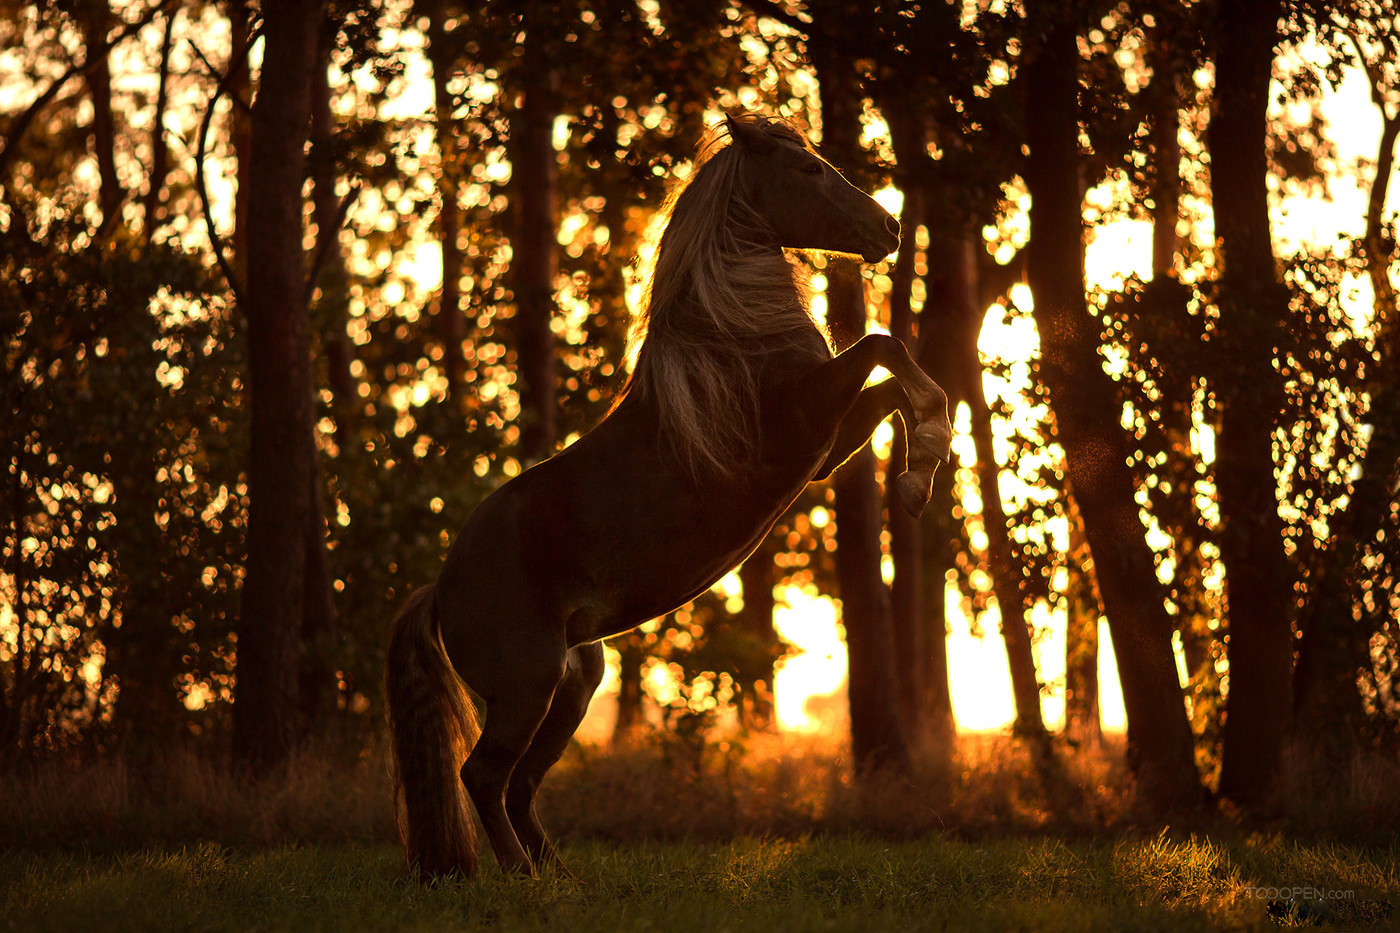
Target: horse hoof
{"points": [[933, 440], [914, 490]]}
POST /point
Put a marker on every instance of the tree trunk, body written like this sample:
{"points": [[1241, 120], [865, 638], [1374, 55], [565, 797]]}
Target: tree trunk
{"points": [[1001, 562], [939, 536], [1082, 723], [160, 157], [1084, 401], [449, 322], [96, 18], [629, 687], [319, 687], [911, 634], [756, 578], [1163, 101], [282, 450], [535, 179], [1258, 578], [239, 85], [331, 312], [878, 742], [946, 287], [1334, 647]]}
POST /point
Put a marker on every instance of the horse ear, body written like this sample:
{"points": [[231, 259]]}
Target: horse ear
{"points": [[749, 133]]}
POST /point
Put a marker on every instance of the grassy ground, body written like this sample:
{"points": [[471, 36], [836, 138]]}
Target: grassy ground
{"points": [[726, 837], [832, 883]]}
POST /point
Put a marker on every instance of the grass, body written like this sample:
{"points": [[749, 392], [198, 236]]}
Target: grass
{"points": [[828, 883], [671, 836]]}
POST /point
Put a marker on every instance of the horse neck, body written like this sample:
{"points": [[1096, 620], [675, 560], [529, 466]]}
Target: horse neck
{"points": [[737, 296]]}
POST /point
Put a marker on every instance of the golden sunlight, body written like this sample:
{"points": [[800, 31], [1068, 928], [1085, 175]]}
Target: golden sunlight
{"points": [[809, 686]]}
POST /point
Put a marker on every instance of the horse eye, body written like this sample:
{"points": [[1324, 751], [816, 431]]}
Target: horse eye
{"points": [[811, 168]]}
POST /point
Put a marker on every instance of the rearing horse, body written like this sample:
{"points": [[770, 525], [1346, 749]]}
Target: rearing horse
{"points": [[734, 405]]}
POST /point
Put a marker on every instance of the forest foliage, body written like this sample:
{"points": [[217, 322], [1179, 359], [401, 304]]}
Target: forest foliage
{"points": [[1204, 453]]}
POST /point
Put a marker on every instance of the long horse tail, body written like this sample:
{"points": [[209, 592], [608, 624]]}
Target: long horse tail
{"points": [[432, 726]]}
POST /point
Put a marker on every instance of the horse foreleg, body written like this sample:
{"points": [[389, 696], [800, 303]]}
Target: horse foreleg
{"points": [[512, 718], [581, 678], [872, 406], [836, 387]]}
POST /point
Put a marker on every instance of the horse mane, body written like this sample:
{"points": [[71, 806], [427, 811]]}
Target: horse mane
{"points": [[718, 296]]}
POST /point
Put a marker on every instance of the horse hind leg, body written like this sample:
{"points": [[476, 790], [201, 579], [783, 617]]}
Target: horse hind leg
{"points": [[514, 713], [583, 674]]}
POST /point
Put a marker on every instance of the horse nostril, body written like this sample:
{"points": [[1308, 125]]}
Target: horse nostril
{"points": [[892, 226]]}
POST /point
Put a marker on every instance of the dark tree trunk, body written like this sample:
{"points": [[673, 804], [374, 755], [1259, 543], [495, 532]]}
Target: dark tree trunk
{"points": [[1001, 561], [535, 179], [911, 635], [878, 741], [954, 258], [319, 686], [756, 578], [1084, 401], [1258, 578], [449, 322], [282, 452], [629, 687], [239, 85], [1081, 637], [96, 18], [160, 153], [1164, 124], [331, 312], [143, 656], [946, 304], [939, 536]]}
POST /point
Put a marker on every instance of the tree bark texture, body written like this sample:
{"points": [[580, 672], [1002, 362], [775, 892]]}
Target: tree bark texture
{"points": [[282, 451], [878, 742], [160, 152], [1084, 401], [1081, 638], [535, 180], [332, 309], [1164, 125], [96, 17], [911, 635], [1258, 578], [449, 322], [756, 577]]}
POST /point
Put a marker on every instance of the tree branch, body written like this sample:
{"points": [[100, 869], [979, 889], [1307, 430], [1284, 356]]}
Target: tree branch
{"points": [[21, 123], [325, 239], [215, 240]]}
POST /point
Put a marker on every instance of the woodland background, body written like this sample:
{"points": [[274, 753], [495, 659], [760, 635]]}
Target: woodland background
{"points": [[239, 429]]}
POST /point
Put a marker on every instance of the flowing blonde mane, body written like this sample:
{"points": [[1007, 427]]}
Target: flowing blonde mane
{"points": [[718, 295]]}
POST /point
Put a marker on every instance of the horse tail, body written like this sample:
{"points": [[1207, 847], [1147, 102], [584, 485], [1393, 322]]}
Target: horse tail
{"points": [[432, 726]]}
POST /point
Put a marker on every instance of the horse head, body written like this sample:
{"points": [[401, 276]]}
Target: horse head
{"points": [[803, 198]]}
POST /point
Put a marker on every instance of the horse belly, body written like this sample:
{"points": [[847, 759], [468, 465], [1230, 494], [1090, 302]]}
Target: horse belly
{"points": [[653, 555]]}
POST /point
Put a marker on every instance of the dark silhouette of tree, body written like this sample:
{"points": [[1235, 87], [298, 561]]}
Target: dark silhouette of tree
{"points": [[878, 741], [1086, 416], [1253, 305], [282, 451]]}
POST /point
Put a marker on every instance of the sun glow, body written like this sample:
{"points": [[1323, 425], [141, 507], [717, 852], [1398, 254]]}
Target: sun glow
{"points": [[809, 685]]}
